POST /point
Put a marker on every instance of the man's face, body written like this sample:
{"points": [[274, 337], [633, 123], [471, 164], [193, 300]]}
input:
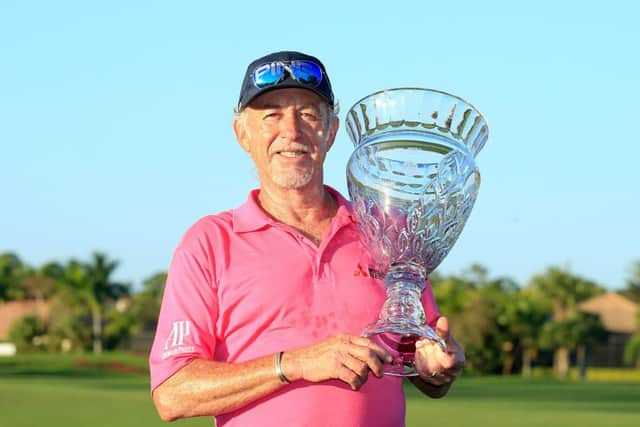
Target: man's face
{"points": [[287, 134]]}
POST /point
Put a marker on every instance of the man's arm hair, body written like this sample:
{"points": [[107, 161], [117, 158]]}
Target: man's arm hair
{"points": [[206, 387]]}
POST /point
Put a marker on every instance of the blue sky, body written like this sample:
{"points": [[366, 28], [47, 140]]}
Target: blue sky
{"points": [[115, 120]]}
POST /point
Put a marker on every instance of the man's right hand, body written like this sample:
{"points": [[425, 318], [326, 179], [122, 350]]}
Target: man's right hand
{"points": [[348, 358]]}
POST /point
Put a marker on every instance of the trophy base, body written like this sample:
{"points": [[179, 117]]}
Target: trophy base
{"points": [[399, 339]]}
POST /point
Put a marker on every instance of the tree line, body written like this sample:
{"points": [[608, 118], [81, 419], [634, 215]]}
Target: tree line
{"points": [[88, 309], [504, 326]]}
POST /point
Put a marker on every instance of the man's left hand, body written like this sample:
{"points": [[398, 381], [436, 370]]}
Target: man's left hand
{"points": [[435, 366]]}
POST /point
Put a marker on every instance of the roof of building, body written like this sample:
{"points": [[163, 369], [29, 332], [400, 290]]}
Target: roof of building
{"points": [[16, 310], [617, 313]]}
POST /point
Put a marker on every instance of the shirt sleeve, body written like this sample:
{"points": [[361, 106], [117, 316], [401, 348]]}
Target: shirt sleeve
{"points": [[430, 305], [186, 324]]}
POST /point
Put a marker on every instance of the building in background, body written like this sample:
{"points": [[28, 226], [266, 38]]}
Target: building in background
{"points": [[12, 311], [618, 316]]}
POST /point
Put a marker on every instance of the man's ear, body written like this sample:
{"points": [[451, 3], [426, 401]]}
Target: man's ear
{"points": [[242, 136], [333, 131]]}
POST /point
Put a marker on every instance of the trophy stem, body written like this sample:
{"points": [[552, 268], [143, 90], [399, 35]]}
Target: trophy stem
{"points": [[402, 319]]}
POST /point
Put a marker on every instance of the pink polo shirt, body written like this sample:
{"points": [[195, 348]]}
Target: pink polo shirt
{"points": [[242, 286]]}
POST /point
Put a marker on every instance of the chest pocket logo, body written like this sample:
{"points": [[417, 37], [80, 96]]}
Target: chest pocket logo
{"points": [[365, 271]]}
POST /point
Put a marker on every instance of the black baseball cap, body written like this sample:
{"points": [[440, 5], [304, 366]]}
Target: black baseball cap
{"points": [[286, 63]]}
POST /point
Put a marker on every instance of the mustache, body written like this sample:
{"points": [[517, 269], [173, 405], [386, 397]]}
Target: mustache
{"points": [[293, 146]]}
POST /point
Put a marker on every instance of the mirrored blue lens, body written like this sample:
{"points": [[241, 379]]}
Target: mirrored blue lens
{"points": [[268, 74], [306, 72]]}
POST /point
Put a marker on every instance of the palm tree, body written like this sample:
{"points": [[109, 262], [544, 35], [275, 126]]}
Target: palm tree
{"points": [[523, 317], [101, 290], [633, 282], [143, 309], [91, 284], [574, 333], [12, 270], [586, 330], [632, 349], [564, 291]]}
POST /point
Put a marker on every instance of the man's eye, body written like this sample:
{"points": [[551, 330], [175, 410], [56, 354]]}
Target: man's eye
{"points": [[309, 116]]}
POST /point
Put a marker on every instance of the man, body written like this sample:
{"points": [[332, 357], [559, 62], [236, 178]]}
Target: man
{"points": [[264, 304]]}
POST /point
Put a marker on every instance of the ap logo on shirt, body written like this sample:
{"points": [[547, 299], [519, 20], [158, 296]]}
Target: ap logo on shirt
{"points": [[174, 344]]}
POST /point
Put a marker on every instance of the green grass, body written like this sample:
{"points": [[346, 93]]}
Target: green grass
{"points": [[39, 390], [497, 402], [78, 390]]}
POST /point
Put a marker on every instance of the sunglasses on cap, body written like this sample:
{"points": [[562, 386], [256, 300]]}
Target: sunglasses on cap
{"points": [[271, 73]]}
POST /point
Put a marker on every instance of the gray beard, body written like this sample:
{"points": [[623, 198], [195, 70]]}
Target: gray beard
{"points": [[294, 180]]}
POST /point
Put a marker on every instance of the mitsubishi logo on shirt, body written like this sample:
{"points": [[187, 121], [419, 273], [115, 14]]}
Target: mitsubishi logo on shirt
{"points": [[369, 272], [175, 341]]}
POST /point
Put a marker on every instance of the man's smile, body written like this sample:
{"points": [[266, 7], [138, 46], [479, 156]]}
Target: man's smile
{"points": [[293, 151], [291, 154]]}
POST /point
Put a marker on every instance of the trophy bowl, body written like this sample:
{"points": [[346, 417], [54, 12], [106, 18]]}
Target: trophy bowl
{"points": [[413, 180]]}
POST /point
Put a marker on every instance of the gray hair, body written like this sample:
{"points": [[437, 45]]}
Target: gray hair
{"points": [[330, 114]]}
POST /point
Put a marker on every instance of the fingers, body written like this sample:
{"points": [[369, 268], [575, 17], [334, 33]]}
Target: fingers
{"points": [[361, 355], [436, 359], [348, 358], [353, 371], [369, 353], [367, 358], [436, 366], [370, 350], [438, 376], [442, 328], [428, 358]]}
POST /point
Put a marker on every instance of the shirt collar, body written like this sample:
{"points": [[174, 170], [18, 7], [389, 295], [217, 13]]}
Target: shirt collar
{"points": [[250, 217]]}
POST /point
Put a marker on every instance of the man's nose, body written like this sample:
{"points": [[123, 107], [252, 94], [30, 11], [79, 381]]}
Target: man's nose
{"points": [[290, 126]]}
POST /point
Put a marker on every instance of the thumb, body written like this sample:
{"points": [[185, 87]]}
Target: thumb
{"points": [[442, 328]]}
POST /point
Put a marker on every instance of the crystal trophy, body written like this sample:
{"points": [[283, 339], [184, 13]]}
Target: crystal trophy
{"points": [[413, 180]]}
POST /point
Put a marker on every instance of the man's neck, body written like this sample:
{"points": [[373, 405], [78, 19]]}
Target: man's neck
{"points": [[309, 210]]}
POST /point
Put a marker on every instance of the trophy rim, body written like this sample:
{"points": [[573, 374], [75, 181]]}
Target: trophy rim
{"points": [[421, 89]]}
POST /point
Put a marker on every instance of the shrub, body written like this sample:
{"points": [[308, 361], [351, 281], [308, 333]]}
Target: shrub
{"points": [[29, 333]]}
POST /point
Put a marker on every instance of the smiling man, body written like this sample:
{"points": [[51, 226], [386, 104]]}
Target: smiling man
{"points": [[264, 304]]}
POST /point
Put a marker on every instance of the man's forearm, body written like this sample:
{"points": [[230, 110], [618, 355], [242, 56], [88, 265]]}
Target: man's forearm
{"points": [[205, 387]]}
